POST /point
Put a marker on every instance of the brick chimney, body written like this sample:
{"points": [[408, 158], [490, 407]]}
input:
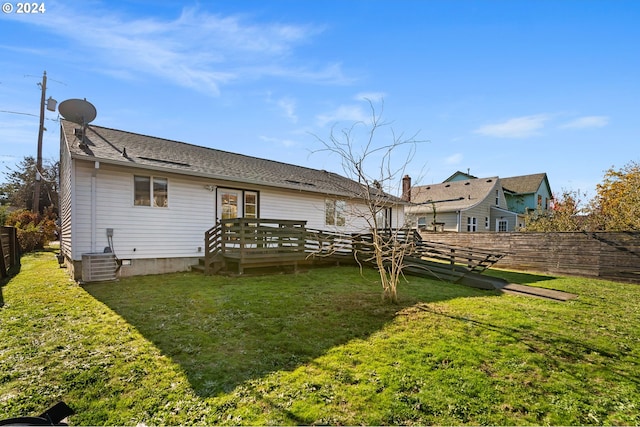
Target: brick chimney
{"points": [[406, 188]]}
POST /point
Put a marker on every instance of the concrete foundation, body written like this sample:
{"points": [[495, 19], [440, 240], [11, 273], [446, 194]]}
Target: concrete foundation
{"points": [[139, 267]]}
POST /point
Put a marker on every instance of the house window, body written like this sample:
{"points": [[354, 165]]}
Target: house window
{"points": [[486, 222], [147, 189], [497, 197], [422, 222], [383, 216], [472, 224], [502, 225], [229, 205], [250, 204], [539, 200], [334, 213]]}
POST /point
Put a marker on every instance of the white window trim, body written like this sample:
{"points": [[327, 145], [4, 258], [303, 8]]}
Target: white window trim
{"points": [[472, 224], [152, 203], [339, 208]]}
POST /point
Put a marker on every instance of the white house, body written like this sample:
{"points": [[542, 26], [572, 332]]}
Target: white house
{"points": [[150, 200]]}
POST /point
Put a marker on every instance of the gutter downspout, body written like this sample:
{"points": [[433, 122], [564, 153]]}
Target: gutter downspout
{"points": [[94, 205]]}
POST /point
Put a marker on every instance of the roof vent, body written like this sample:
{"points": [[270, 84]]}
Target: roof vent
{"points": [[448, 185], [291, 181], [489, 180], [467, 183], [79, 133]]}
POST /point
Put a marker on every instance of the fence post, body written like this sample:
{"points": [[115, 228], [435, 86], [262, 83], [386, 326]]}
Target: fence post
{"points": [[3, 266]]}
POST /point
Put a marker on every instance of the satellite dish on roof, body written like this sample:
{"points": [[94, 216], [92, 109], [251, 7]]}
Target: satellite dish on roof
{"points": [[78, 111]]}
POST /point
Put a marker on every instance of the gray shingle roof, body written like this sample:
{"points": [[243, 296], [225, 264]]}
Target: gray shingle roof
{"points": [[148, 152], [451, 196], [523, 184]]}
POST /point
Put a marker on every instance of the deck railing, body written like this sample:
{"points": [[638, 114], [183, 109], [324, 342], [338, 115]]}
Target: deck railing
{"points": [[256, 241], [261, 242]]}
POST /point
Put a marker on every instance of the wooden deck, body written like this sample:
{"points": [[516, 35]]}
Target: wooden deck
{"points": [[241, 243], [238, 244]]}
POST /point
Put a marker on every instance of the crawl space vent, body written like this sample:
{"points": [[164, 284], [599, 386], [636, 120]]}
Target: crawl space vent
{"points": [[98, 267]]}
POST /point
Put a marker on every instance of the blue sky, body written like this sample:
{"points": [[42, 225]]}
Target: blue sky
{"points": [[501, 88]]}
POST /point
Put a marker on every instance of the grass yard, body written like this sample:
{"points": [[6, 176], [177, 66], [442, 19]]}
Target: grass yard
{"points": [[316, 348]]}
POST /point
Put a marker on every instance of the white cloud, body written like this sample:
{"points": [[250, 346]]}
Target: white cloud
{"points": [[454, 159], [277, 141], [587, 122], [370, 96], [197, 49], [351, 113], [518, 127], [288, 107]]}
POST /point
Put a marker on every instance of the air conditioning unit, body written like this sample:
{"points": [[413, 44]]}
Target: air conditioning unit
{"points": [[98, 267]]}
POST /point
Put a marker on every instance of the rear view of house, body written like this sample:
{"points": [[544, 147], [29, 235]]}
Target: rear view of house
{"points": [[150, 200]]}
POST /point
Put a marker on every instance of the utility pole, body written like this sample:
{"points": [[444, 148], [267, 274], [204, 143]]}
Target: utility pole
{"points": [[36, 187]]}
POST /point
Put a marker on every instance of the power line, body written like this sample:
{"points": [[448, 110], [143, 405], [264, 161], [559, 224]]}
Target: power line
{"points": [[27, 114]]}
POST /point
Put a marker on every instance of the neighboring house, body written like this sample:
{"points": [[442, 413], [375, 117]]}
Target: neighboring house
{"points": [[524, 193], [527, 193], [459, 205], [150, 200]]}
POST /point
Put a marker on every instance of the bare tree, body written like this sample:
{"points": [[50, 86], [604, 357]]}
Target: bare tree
{"points": [[375, 167]]}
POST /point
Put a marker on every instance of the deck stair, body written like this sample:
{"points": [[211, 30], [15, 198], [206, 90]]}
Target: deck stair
{"points": [[436, 260], [473, 259]]}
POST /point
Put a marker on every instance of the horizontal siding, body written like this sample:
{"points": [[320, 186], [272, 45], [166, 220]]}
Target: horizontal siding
{"points": [[81, 221], [478, 212], [306, 206], [284, 205], [66, 173], [140, 231]]}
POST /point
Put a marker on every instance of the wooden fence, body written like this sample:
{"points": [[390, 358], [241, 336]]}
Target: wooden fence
{"points": [[9, 251], [608, 255]]}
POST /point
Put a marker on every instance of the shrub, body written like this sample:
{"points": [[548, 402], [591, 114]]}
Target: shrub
{"points": [[34, 231], [4, 214]]}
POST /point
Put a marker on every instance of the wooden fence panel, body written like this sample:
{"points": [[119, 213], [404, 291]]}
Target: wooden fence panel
{"points": [[9, 250], [609, 255]]}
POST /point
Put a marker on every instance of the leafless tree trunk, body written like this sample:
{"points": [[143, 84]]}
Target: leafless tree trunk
{"points": [[377, 170]]}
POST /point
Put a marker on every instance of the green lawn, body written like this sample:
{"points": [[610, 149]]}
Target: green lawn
{"points": [[316, 348]]}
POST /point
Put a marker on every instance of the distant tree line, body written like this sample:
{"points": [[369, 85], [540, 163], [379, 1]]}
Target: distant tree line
{"points": [[616, 206], [35, 229], [18, 186]]}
